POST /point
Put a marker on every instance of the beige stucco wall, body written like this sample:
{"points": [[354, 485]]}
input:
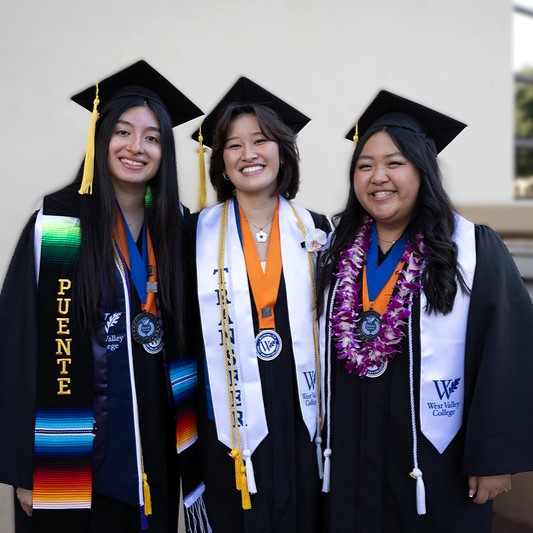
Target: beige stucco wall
{"points": [[326, 58]]}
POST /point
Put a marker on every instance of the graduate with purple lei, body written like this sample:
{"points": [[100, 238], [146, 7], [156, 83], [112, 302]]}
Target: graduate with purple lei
{"points": [[427, 330]]}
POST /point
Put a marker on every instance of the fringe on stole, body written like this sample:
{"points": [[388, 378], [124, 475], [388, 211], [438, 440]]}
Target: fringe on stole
{"points": [[196, 520]]}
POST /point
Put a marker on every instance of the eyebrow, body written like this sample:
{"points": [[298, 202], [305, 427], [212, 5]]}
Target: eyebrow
{"points": [[127, 123], [237, 136], [393, 154]]}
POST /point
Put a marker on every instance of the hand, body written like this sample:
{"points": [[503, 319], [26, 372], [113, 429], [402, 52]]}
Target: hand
{"points": [[25, 498], [484, 488]]}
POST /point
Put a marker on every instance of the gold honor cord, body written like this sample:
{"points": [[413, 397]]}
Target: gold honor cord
{"points": [[315, 323], [240, 468]]}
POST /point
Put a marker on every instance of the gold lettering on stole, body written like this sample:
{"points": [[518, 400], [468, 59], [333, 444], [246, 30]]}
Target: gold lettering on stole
{"points": [[63, 343]]}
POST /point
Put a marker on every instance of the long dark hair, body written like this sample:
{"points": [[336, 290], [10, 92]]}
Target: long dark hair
{"points": [[98, 211], [433, 216], [274, 129]]}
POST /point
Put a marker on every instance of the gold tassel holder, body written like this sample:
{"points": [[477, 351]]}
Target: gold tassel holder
{"points": [[88, 166], [356, 134], [201, 164]]}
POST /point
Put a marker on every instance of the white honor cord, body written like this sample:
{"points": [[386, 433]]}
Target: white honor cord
{"points": [[326, 484], [416, 473]]}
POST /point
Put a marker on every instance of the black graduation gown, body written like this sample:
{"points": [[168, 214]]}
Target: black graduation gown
{"points": [[18, 382], [372, 443], [285, 463]]}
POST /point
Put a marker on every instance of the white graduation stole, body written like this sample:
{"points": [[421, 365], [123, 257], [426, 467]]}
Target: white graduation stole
{"points": [[442, 339], [249, 398]]}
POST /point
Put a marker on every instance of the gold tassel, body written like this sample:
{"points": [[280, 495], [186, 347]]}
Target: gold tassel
{"points": [[147, 498], [201, 164], [88, 167], [356, 134], [236, 454], [245, 495]]}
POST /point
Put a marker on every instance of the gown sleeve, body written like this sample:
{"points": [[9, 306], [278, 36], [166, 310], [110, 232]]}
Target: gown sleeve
{"points": [[18, 363], [499, 365]]}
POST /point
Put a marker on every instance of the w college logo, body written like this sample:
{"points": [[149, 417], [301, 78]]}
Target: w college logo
{"points": [[446, 387], [311, 379]]}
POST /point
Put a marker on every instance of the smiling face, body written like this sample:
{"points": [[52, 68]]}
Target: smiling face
{"points": [[135, 149], [386, 183], [251, 160]]}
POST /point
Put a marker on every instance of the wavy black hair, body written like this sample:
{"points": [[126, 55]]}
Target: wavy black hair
{"points": [[274, 129]]}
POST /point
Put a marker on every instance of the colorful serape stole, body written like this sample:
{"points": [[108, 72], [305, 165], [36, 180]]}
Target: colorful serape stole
{"points": [[64, 415], [184, 380], [62, 474]]}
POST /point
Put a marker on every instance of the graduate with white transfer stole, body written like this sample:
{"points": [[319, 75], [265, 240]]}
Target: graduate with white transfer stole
{"points": [[427, 349], [260, 405]]}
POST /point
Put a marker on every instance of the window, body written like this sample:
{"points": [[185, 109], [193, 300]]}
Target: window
{"points": [[523, 73]]}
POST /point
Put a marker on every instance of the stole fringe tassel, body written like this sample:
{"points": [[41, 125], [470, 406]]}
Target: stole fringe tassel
{"points": [[196, 520]]}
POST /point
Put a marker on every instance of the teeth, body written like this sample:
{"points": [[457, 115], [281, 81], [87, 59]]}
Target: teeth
{"points": [[133, 163], [252, 169], [383, 193]]}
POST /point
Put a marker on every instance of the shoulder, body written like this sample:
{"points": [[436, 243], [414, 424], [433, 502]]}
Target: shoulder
{"points": [[65, 201], [490, 246], [191, 221], [321, 221], [495, 266]]}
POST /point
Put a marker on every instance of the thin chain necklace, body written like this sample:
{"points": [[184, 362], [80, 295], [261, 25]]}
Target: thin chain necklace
{"points": [[261, 235], [388, 242]]}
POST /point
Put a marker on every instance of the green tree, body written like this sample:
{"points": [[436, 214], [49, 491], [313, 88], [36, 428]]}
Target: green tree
{"points": [[524, 124]]}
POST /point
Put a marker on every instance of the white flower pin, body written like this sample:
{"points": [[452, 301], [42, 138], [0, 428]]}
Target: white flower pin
{"points": [[315, 240]]}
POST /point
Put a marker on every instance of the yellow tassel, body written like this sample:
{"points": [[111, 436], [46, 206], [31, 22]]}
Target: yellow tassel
{"points": [[147, 498], [245, 495], [236, 454], [201, 164], [88, 167], [356, 134]]}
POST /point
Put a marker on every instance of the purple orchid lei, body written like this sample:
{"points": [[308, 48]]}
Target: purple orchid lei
{"points": [[359, 355]]}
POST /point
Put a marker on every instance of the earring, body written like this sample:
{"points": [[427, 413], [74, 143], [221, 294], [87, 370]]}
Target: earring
{"points": [[225, 176]]}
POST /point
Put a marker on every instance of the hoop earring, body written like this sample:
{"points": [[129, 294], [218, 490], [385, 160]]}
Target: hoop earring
{"points": [[225, 176]]}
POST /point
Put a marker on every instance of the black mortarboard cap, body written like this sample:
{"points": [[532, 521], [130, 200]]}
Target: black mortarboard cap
{"points": [[141, 79], [388, 109], [245, 91]]}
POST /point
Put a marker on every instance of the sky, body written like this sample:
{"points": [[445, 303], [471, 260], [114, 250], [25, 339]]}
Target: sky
{"points": [[522, 37]]}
